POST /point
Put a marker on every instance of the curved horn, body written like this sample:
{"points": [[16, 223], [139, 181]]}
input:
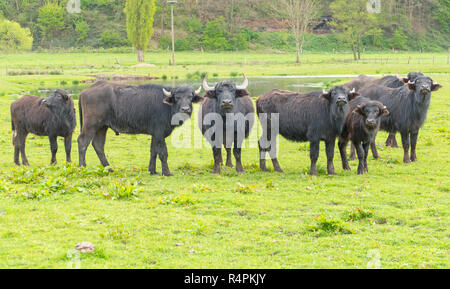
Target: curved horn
{"points": [[197, 92], [167, 93], [244, 85], [206, 86], [324, 91]]}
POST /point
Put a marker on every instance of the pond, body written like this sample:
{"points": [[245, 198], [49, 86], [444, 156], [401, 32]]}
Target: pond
{"points": [[257, 85]]}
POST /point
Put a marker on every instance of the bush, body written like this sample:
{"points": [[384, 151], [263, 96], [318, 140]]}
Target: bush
{"points": [[13, 37], [111, 39]]}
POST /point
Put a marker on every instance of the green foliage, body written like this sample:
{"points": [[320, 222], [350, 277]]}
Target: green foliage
{"points": [[82, 29], [215, 35], [51, 19], [111, 39], [140, 15], [399, 40], [13, 37], [329, 225]]}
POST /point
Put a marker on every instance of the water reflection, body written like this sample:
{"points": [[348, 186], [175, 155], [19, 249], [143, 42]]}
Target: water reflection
{"points": [[257, 86]]}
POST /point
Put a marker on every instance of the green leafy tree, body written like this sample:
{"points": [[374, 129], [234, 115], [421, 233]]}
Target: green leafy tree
{"points": [[215, 35], [140, 15], [50, 19], [82, 29], [398, 40], [13, 37], [353, 21]]}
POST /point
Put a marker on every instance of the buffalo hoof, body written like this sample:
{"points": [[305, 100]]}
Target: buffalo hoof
{"points": [[229, 164], [347, 167], [279, 170], [111, 170]]}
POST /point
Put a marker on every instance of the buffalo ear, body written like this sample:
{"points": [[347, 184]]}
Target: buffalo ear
{"points": [[359, 109], [326, 95], [352, 95], [411, 85], [405, 80], [210, 94], [436, 87], [384, 111], [242, 93], [65, 96], [169, 100], [197, 99]]}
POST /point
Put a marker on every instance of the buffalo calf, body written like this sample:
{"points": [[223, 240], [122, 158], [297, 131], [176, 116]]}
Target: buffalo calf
{"points": [[52, 116], [361, 127], [309, 117]]}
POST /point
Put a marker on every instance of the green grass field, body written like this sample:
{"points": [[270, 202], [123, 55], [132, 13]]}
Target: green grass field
{"points": [[397, 215]]}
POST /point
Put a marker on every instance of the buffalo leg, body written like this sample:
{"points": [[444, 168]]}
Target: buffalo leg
{"points": [[262, 157], [366, 154], [405, 143], [352, 152], [53, 148], [68, 148], [229, 161], [342, 149], [373, 147], [314, 156], [237, 152], [16, 155], [83, 142], [360, 152], [163, 155], [273, 156], [99, 146], [391, 141], [153, 157], [217, 154], [20, 146], [413, 146], [330, 156]]}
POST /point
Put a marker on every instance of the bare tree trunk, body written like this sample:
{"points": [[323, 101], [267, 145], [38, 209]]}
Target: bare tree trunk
{"points": [[354, 51], [140, 53], [359, 47]]}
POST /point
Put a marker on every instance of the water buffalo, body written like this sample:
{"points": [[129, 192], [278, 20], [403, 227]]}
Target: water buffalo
{"points": [[309, 117], [52, 116], [226, 117], [146, 109], [408, 107], [361, 127]]}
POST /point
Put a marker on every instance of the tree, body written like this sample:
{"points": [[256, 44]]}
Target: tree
{"points": [[50, 19], [140, 24], [13, 37], [298, 14], [352, 19]]}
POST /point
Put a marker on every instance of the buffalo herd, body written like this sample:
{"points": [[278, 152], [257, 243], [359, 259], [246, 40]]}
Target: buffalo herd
{"points": [[353, 112]]}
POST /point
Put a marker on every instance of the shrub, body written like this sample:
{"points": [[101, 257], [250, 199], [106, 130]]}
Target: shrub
{"points": [[13, 37]]}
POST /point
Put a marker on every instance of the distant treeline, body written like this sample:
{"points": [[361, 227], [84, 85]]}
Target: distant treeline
{"points": [[414, 25]]}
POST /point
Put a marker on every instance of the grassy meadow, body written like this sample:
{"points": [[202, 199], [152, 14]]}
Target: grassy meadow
{"points": [[396, 216]]}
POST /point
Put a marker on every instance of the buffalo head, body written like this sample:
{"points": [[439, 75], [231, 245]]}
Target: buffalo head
{"points": [[181, 98], [58, 101], [340, 95], [226, 93], [423, 86], [371, 111]]}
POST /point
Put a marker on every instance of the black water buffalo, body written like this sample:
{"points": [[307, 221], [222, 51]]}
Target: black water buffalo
{"points": [[309, 117], [361, 127], [408, 107], [226, 117], [147, 109], [52, 116]]}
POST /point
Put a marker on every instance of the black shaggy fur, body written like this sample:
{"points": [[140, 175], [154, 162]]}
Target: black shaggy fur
{"points": [[408, 107], [361, 127], [132, 110], [52, 116], [309, 117], [225, 100]]}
